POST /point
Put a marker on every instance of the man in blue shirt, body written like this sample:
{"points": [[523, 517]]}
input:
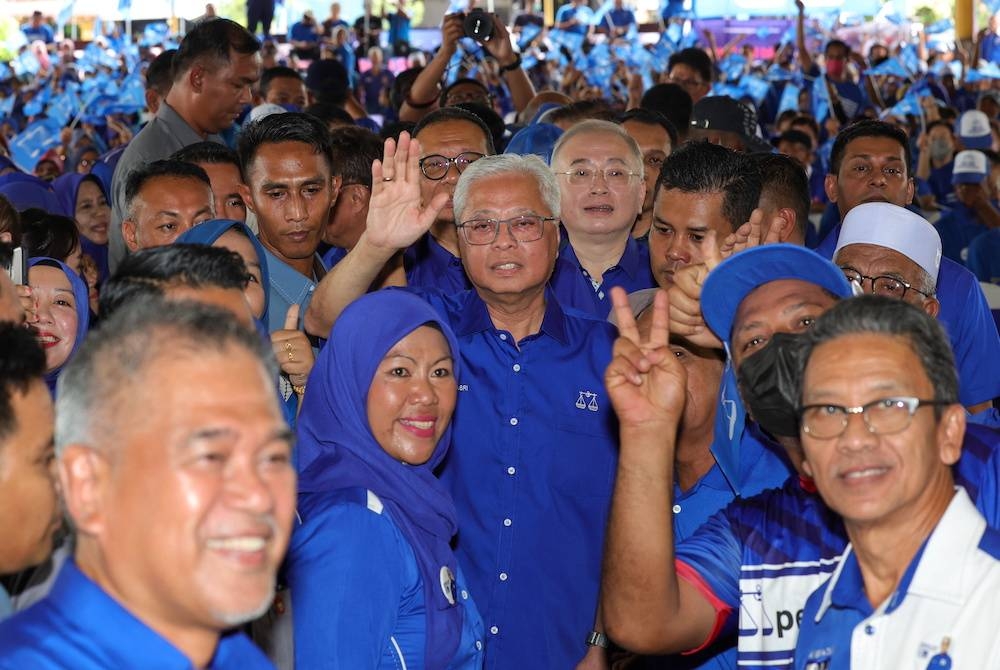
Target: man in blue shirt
{"points": [[288, 182], [29, 507], [618, 20], [575, 17], [37, 29], [973, 213], [870, 163], [917, 583], [600, 172], [175, 468], [534, 451], [937, 159], [305, 36]]}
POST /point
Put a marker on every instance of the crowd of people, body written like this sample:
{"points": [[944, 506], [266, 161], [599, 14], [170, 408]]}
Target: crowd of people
{"points": [[544, 353]]}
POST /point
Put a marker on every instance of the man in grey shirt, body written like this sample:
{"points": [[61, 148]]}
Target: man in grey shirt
{"points": [[214, 68]]}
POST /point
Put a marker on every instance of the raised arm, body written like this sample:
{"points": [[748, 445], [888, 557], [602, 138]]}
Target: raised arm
{"points": [[423, 95], [396, 219], [645, 606], [805, 58], [499, 46]]}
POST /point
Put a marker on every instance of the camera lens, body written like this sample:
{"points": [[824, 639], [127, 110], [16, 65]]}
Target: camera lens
{"points": [[478, 25]]}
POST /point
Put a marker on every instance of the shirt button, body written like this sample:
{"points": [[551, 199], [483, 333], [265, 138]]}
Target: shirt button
{"points": [[513, 421], [677, 509], [479, 645], [511, 470], [506, 522], [465, 594], [517, 367], [494, 630], [503, 336], [869, 630], [503, 576]]}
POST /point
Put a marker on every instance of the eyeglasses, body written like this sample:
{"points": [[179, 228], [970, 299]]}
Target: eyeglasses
{"points": [[585, 176], [882, 417], [525, 228], [891, 287], [435, 167]]}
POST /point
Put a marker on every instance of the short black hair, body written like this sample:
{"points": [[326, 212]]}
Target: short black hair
{"points": [[50, 235], [277, 72], [671, 101], [10, 220], [354, 150], [328, 113], [150, 272], [168, 167], [795, 137], [287, 127], [785, 181], [805, 120], [837, 44], [651, 117], [580, 110], [22, 363], [401, 86], [207, 153], [492, 120], [213, 40], [868, 128], [455, 114], [459, 82], [702, 167], [892, 317], [940, 123], [696, 59], [160, 73]]}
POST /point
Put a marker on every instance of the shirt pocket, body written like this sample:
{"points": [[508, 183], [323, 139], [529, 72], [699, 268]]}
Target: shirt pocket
{"points": [[585, 454]]}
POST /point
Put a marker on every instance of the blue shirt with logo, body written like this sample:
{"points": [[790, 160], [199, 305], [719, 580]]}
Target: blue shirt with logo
{"points": [[78, 625]]}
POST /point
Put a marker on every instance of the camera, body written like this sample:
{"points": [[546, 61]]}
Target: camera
{"points": [[478, 24]]}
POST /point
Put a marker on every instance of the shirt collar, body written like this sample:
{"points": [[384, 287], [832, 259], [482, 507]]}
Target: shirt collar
{"points": [[633, 259], [180, 127], [475, 318]]}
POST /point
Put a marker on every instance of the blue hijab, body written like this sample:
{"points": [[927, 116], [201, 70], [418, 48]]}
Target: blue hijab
{"points": [[337, 449], [67, 188], [81, 295], [210, 231]]}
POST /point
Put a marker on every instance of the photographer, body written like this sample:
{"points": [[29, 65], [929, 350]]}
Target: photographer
{"points": [[423, 96]]}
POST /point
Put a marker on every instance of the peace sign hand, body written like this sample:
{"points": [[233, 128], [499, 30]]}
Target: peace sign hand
{"points": [[646, 382], [396, 216]]}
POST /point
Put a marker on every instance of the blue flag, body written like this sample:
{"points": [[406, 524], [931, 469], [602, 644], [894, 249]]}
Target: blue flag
{"points": [[528, 33], [35, 140], [65, 14], [755, 87], [820, 99], [789, 98], [7, 105], [942, 26], [890, 66]]}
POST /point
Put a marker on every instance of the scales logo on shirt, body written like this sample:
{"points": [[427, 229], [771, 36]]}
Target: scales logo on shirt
{"points": [[587, 400], [448, 584]]}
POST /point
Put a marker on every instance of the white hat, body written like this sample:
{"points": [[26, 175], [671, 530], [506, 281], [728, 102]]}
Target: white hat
{"points": [[974, 130], [971, 167], [265, 109], [895, 228]]}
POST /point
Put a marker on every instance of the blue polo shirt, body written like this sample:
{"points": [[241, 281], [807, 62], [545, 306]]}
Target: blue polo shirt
{"points": [[531, 471], [989, 48], [43, 33], [357, 592], [618, 18], [584, 15], [971, 329], [429, 265], [303, 32], [957, 228], [574, 287], [77, 625]]}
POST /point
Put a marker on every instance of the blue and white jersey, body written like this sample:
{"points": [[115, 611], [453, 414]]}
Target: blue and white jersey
{"points": [[763, 556], [944, 613]]}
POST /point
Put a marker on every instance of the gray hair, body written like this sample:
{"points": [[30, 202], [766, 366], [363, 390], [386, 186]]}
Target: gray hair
{"points": [[111, 364], [598, 127], [489, 167], [888, 316]]}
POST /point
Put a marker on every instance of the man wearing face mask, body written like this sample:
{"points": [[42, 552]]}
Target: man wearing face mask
{"points": [[836, 54], [761, 556], [936, 160]]}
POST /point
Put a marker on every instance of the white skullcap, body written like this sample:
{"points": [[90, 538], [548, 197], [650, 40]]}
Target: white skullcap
{"points": [[265, 109], [895, 228]]}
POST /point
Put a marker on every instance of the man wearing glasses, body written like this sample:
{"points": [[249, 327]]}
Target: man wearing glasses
{"points": [[691, 69], [753, 565], [600, 171], [534, 449], [451, 139], [881, 427]]}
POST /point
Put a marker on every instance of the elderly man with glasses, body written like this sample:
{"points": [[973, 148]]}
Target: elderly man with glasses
{"points": [[534, 449]]}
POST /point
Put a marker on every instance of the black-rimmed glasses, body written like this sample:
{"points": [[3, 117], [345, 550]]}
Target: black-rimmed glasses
{"points": [[435, 167]]}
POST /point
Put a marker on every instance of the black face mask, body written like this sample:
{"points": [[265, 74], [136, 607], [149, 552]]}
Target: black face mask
{"points": [[769, 382]]}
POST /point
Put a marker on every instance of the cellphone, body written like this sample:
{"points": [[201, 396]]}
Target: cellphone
{"points": [[19, 267]]}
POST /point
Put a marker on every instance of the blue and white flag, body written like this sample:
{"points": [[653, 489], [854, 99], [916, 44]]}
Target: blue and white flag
{"points": [[27, 147], [789, 98], [890, 66]]}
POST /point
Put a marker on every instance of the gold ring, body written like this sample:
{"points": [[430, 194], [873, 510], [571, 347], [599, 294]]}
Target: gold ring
{"points": [[386, 178]]}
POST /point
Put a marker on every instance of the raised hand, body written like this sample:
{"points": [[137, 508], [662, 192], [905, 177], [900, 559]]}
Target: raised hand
{"points": [[751, 234], [685, 297], [292, 349], [645, 381], [499, 45], [396, 215]]}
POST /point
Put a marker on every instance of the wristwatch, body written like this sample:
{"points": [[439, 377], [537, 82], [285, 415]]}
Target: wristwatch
{"points": [[597, 639], [516, 63]]}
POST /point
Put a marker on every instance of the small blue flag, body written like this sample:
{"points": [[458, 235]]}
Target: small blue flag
{"points": [[789, 98], [528, 33], [820, 99], [890, 66], [35, 140], [942, 26]]}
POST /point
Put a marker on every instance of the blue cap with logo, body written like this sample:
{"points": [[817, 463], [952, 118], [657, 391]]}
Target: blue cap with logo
{"points": [[736, 277]]}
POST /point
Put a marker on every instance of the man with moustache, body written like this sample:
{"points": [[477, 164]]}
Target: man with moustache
{"points": [[175, 468]]}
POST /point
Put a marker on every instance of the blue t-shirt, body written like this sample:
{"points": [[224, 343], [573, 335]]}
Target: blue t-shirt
{"points": [[357, 592], [966, 316], [940, 183], [584, 16], [78, 625], [989, 48], [42, 32], [399, 28], [618, 18], [957, 228], [303, 32], [372, 86], [531, 469], [574, 287]]}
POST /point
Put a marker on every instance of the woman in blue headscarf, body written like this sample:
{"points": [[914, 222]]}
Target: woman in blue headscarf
{"points": [[373, 578], [82, 198], [63, 313]]}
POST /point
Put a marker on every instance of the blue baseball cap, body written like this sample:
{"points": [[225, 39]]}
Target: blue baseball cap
{"points": [[736, 277]]}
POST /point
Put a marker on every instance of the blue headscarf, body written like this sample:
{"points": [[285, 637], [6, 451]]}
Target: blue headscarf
{"points": [[67, 189], [210, 231], [81, 296], [25, 191], [337, 449]]}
